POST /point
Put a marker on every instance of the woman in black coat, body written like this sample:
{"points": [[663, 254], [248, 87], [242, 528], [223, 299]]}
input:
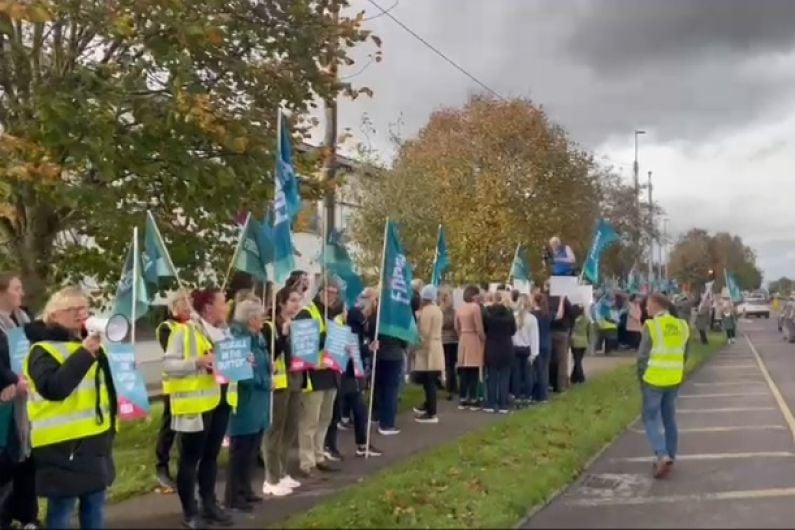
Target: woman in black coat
{"points": [[499, 324]]}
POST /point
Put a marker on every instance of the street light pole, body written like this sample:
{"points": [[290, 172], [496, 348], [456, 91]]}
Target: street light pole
{"points": [[664, 247], [635, 174], [651, 232]]}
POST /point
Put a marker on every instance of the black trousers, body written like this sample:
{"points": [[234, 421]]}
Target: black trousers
{"points": [[469, 379], [198, 459], [428, 381], [450, 360], [242, 462], [730, 333], [357, 410], [165, 438], [577, 373], [703, 335], [17, 492]]}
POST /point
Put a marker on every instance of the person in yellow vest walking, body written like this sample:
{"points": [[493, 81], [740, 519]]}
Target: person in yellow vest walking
{"points": [[317, 405], [200, 406], [72, 410], [178, 313], [661, 367]]}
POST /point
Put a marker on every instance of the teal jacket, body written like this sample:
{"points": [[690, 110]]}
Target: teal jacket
{"points": [[253, 401]]}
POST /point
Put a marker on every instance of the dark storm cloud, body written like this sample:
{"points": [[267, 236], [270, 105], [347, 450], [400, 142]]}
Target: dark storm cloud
{"points": [[624, 34]]}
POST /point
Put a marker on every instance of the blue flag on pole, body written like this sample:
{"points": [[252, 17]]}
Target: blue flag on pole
{"points": [[442, 261], [339, 264], [131, 274], [604, 236], [156, 261], [285, 169], [250, 255], [735, 292], [283, 258], [396, 318], [520, 268]]}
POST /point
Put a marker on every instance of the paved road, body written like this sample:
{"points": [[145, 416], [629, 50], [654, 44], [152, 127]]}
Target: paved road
{"points": [[737, 463]]}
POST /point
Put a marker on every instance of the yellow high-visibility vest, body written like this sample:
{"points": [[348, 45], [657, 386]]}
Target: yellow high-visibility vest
{"points": [[279, 365], [669, 336], [171, 325], [76, 416], [199, 392]]}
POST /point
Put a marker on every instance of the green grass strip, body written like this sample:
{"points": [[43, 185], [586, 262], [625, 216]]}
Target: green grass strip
{"points": [[491, 477]]}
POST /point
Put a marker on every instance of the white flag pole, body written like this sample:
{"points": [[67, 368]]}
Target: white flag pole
{"points": [[135, 273]]}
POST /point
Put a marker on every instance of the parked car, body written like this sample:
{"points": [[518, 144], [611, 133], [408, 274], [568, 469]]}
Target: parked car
{"points": [[755, 307]]}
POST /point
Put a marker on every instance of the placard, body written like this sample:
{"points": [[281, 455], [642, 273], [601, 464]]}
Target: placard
{"points": [[305, 344], [131, 394], [354, 348], [232, 359], [335, 351], [18, 347]]}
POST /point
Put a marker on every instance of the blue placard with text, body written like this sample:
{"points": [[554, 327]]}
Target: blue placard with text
{"points": [[305, 344], [18, 347], [232, 359]]}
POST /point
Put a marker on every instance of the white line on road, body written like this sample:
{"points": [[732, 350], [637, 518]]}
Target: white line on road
{"points": [[731, 367], [782, 404], [731, 383], [714, 456], [688, 499], [725, 409], [725, 429], [726, 395]]}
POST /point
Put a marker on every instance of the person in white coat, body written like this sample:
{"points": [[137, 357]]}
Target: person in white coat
{"points": [[526, 349]]}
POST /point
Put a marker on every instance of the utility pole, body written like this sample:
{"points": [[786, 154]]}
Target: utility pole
{"points": [[635, 172], [664, 247], [651, 232], [330, 137]]}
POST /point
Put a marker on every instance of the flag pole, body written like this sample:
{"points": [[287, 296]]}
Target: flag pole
{"points": [[323, 266], [375, 352], [436, 254], [237, 252], [135, 271], [274, 331], [515, 255]]}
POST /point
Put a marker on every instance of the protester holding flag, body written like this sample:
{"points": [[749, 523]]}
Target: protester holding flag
{"points": [[317, 405], [449, 341], [251, 418], [429, 355], [287, 387], [16, 467], [179, 313], [72, 409], [201, 413], [472, 340], [499, 325]]}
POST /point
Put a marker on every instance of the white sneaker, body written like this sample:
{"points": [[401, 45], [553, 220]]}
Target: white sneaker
{"points": [[275, 490], [289, 482]]}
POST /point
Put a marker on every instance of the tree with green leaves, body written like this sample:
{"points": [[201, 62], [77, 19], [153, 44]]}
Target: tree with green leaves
{"points": [[112, 107]]}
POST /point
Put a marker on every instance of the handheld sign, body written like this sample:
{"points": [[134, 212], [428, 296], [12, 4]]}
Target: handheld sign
{"points": [[18, 347], [335, 352], [232, 359], [356, 354], [132, 397], [305, 344]]}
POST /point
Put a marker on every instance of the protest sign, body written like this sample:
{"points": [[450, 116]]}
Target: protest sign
{"points": [[18, 347], [335, 351], [131, 392], [356, 354], [232, 359], [305, 344]]}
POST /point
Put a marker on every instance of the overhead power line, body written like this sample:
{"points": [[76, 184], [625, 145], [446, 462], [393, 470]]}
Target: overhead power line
{"points": [[437, 51]]}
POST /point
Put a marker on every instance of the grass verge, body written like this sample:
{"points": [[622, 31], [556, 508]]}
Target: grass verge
{"points": [[134, 449], [489, 478]]}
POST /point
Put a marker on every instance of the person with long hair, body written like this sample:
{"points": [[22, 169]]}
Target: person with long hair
{"points": [[525, 349], [449, 341], [471, 344], [16, 465], [634, 321], [287, 387], [72, 410], [541, 364], [200, 406], [499, 326], [429, 355]]}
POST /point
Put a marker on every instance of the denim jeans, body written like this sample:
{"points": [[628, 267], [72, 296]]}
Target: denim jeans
{"points": [[541, 377], [498, 381], [521, 374], [388, 381], [659, 419], [91, 512]]}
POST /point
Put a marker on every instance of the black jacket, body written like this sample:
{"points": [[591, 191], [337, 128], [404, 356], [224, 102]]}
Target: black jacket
{"points": [[389, 348], [322, 379], [500, 327], [75, 467]]}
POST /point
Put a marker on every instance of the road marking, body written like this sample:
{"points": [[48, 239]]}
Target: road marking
{"points": [[731, 367], [726, 409], [714, 456], [728, 395], [785, 410], [731, 383], [689, 499], [725, 429]]}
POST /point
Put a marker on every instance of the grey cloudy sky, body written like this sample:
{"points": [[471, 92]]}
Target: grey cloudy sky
{"points": [[712, 81]]}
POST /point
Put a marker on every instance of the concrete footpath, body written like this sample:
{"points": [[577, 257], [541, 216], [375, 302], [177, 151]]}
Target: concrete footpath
{"points": [[163, 511], [736, 467]]}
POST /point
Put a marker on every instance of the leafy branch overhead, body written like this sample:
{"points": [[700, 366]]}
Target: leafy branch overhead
{"points": [[112, 107]]}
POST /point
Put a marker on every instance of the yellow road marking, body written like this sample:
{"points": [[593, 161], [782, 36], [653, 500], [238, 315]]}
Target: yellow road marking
{"points": [[782, 404]]}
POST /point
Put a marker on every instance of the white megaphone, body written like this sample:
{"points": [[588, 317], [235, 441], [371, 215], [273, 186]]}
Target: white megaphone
{"points": [[114, 328]]}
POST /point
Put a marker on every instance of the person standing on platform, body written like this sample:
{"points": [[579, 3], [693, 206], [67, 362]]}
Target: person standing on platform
{"points": [[563, 259], [179, 313], [661, 366]]}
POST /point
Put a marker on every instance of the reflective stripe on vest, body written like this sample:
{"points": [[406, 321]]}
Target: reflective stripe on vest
{"points": [[76, 416], [171, 325], [669, 336]]}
